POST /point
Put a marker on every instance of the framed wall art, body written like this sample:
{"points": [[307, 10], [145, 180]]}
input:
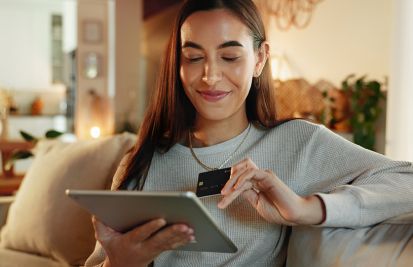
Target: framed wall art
{"points": [[92, 31]]}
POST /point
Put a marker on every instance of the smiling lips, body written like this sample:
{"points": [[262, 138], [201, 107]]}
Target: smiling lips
{"points": [[213, 96]]}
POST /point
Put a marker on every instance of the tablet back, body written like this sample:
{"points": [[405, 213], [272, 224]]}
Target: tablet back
{"points": [[124, 210]]}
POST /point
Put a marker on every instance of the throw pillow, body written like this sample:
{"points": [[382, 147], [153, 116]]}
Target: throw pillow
{"points": [[43, 220]]}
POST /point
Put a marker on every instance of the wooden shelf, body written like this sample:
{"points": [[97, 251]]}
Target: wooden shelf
{"points": [[27, 115], [11, 145], [9, 185], [9, 181]]}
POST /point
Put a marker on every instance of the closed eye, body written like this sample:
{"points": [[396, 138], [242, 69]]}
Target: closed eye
{"points": [[230, 59], [194, 59]]}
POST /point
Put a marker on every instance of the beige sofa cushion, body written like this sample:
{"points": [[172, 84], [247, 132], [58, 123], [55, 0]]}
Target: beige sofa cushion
{"points": [[386, 244], [42, 220], [11, 258]]}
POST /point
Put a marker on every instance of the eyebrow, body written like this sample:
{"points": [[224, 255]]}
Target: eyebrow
{"points": [[223, 45]]}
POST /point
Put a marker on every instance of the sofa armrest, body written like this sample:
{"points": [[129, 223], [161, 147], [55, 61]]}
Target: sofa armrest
{"points": [[406, 218], [381, 245], [5, 203]]}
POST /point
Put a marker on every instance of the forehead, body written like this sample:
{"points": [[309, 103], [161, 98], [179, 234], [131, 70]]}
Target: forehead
{"points": [[218, 25]]}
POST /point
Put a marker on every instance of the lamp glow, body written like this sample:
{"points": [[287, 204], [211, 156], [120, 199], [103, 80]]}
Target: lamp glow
{"points": [[281, 68], [95, 132], [275, 68]]}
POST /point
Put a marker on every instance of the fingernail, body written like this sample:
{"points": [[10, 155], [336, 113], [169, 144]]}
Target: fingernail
{"points": [[190, 231], [181, 228]]}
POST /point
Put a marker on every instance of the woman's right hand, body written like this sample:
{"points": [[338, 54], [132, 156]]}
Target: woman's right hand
{"points": [[141, 245]]}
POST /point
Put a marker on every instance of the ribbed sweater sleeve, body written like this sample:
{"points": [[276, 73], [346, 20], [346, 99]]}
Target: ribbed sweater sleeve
{"points": [[359, 187]]}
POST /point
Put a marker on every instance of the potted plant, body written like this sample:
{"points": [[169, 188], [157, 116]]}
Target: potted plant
{"points": [[365, 98], [24, 154]]}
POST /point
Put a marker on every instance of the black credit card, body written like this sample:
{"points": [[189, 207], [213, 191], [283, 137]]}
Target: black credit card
{"points": [[212, 182]]}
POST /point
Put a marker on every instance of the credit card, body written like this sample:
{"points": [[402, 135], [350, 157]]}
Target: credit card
{"points": [[211, 183]]}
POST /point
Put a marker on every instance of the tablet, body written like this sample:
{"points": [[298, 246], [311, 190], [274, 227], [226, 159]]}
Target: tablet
{"points": [[124, 210]]}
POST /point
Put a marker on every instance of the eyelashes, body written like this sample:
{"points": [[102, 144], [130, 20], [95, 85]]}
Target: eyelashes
{"points": [[194, 59], [230, 59], [199, 59]]}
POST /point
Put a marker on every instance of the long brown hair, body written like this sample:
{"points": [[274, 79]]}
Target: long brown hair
{"points": [[170, 113]]}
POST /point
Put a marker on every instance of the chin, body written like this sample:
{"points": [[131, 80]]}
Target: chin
{"points": [[215, 116]]}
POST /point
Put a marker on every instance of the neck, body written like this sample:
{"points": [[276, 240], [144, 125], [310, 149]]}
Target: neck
{"points": [[207, 133]]}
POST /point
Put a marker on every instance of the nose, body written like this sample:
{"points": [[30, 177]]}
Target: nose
{"points": [[212, 73]]}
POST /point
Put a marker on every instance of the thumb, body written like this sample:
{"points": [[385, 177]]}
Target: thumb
{"points": [[103, 233]]}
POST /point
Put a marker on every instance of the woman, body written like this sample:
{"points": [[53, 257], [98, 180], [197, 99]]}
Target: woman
{"points": [[214, 108]]}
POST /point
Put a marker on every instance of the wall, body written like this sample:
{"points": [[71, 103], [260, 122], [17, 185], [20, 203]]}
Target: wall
{"points": [[120, 79], [25, 43], [129, 82], [156, 31], [92, 36], [25, 64], [343, 37], [25, 51], [69, 25], [399, 132]]}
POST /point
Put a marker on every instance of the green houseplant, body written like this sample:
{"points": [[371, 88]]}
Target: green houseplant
{"points": [[24, 154], [365, 98]]}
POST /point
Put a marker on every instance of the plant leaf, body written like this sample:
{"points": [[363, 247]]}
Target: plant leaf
{"points": [[53, 134], [22, 154], [28, 137]]}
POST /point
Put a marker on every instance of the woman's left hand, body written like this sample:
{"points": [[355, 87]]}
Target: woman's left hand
{"points": [[273, 200]]}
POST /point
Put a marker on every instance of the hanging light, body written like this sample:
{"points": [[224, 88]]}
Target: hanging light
{"points": [[289, 13]]}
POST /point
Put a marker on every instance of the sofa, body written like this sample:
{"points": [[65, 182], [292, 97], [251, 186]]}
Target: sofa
{"points": [[45, 228], [387, 244]]}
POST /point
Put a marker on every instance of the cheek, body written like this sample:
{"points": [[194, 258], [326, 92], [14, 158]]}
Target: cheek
{"points": [[184, 79], [182, 75], [188, 75], [187, 78], [241, 70], [242, 76]]}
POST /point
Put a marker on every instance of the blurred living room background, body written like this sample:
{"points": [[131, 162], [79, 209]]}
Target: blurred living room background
{"points": [[87, 67]]}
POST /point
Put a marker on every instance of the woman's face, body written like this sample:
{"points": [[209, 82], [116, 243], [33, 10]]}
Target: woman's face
{"points": [[218, 63]]}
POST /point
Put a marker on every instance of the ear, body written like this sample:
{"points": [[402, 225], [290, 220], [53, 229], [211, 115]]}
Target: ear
{"points": [[262, 56]]}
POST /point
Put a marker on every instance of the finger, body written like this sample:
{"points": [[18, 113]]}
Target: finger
{"points": [[182, 237], [255, 175], [170, 238], [236, 171], [144, 231], [226, 200]]}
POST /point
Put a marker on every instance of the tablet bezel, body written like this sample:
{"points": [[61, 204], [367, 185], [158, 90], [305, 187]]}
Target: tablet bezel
{"points": [[119, 210]]}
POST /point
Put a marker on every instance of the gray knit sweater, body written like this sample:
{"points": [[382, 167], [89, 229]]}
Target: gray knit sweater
{"points": [[359, 188]]}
